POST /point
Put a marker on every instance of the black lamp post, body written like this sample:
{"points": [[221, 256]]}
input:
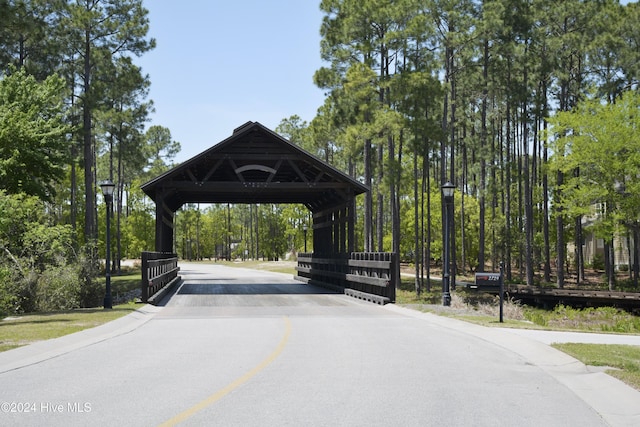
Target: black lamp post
{"points": [[107, 190], [304, 230], [447, 195]]}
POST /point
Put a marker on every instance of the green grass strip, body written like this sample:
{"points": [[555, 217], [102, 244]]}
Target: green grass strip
{"points": [[22, 330]]}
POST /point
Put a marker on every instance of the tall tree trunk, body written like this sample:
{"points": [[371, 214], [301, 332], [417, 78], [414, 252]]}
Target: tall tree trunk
{"points": [[507, 186], [577, 243], [75, 146], [636, 250], [521, 203], [495, 157], [464, 177], [629, 254], [120, 194], [90, 223], [528, 223], [426, 189], [417, 255], [74, 186], [579, 256], [368, 199], [545, 225], [483, 165], [380, 207], [528, 183], [395, 204], [384, 72], [610, 262], [257, 231], [560, 246]]}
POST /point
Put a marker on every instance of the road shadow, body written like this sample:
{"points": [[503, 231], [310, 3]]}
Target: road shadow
{"points": [[231, 287]]}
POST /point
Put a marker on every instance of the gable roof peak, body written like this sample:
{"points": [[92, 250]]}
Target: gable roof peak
{"points": [[242, 127]]}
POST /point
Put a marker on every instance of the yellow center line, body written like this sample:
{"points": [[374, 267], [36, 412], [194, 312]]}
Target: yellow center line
{"points": [[235, 384]]}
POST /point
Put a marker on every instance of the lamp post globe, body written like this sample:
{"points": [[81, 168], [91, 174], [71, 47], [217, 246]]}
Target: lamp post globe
{"points": [[448, 190], [107, 188]]}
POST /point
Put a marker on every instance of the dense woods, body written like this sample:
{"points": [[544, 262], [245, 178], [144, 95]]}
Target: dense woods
{"points": [[73, 112], [492, 96], [529, 107]]}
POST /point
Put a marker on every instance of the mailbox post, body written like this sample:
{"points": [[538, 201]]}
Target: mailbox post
{"points": [[492, 282]]}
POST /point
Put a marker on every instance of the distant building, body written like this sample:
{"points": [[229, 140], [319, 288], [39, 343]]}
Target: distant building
{"points": [[593, 247]]}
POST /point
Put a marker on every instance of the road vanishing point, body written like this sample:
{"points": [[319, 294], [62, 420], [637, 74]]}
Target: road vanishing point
{"points": [[239, 347]]}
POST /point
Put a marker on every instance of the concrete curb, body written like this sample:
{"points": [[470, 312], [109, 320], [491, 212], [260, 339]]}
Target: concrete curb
{"points": [[157, 298], [43, 350]]}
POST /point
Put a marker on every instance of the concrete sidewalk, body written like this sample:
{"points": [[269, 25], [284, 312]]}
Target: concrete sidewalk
{"points": [[616, 402]]}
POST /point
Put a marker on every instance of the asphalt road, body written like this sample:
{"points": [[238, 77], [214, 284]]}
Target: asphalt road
{"points": [[236, 347]]}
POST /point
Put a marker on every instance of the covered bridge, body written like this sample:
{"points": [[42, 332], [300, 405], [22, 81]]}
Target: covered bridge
{"points": [[256, 165]]}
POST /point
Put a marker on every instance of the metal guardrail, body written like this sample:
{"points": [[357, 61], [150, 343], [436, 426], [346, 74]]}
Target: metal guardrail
{"points": [[159, 271], [364, 275]]}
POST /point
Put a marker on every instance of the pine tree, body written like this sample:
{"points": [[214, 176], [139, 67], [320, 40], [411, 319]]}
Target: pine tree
{"points": [[96, 33]]}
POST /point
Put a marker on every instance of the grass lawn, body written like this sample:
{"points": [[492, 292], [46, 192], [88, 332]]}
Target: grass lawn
{"points": [[288, 267], [122, 284], [623, 359], [17, 331], [26, 329]]}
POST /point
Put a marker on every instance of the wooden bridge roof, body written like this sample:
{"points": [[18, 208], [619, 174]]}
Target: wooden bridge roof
{"points": [[254, 165]]}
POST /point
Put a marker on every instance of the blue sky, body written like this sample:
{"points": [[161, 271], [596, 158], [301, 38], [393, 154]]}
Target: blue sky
{"points": [[219, 64]]}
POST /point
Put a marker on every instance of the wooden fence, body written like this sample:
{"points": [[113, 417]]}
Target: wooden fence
{"points": [[366, 275], [159, 273]]}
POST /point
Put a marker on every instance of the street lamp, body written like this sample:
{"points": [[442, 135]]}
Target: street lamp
{"points": [[107, 190], [304, 230], [447, 194]]}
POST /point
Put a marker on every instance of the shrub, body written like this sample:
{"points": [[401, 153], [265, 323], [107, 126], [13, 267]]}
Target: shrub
{"points": [[626, 285], [25, 290], [536, 317], [8, 298], [40, 266], [598, 262], [91, 293], [48, 245], [58, 288], [608, 319]]}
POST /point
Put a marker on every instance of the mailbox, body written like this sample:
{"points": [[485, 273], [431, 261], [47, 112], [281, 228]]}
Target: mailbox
{"points": [[487, 282]]}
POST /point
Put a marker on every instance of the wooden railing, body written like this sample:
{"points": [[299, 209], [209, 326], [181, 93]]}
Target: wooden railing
{"points": [[364, 275], [159, 272]]}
